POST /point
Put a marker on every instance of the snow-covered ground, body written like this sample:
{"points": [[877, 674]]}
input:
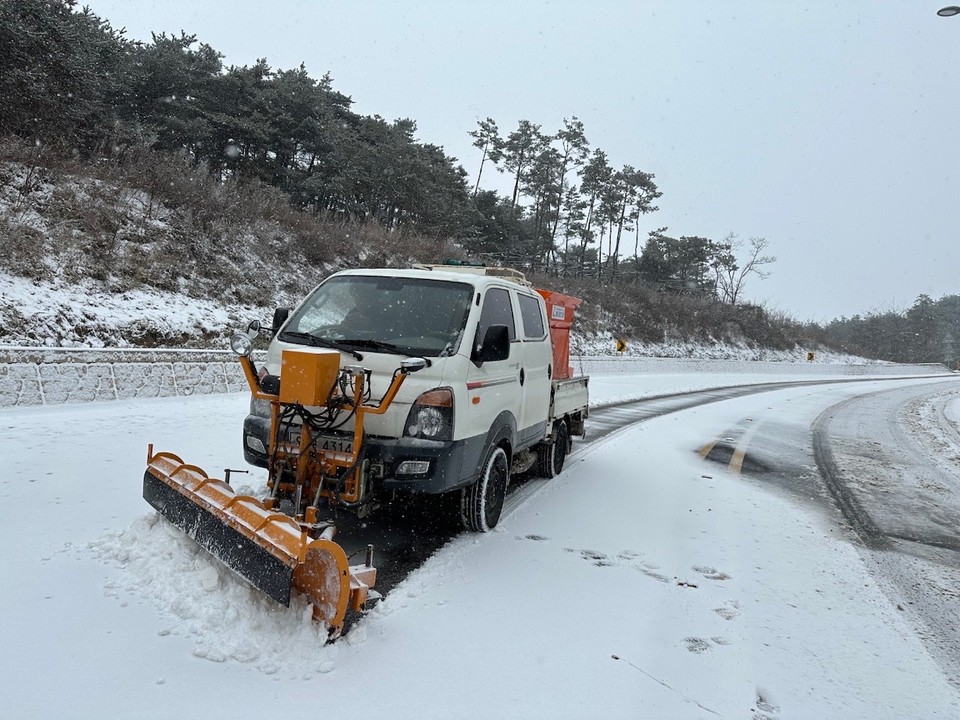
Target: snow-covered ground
{"points": [[642, 582], [612, 389]]}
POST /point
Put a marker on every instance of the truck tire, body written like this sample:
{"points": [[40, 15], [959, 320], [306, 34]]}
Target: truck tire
{"points": [[550, 456], [482, 502]]}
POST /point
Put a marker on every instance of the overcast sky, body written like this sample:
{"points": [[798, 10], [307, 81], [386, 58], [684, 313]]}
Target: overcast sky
{"points": [[832, 129]]}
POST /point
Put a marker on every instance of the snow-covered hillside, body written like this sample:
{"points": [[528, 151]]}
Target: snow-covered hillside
{"points": [[60, 313], [156, 253], [57, 313], [132, 260]]}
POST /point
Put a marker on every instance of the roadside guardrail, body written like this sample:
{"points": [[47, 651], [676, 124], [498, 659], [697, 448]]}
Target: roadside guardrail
{"points": [[52, 376]]}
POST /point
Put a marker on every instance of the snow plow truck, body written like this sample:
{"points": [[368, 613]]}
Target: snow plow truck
{"points": [[429, 380]]}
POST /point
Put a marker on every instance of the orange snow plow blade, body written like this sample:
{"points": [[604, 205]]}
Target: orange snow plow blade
{"points": [[268, 549]]}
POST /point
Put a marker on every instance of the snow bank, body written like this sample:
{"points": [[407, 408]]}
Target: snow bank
{"points": [[604, 343], [841, 365], [202, 600]]}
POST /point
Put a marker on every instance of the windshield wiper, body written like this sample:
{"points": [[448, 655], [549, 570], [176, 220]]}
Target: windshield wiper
{"points": [[303, 338], [380, 346]]}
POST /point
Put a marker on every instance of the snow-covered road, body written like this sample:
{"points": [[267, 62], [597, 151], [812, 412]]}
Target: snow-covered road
{"points": [[644, 581], [892, 464]]}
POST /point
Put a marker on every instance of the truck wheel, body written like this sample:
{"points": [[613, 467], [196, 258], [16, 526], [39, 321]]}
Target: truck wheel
{"points": [[482, 502], [550, 456]]}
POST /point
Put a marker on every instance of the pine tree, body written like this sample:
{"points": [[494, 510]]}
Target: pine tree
{"points": [[487, 139], [60, 73], [595, 177], [520, 150]]}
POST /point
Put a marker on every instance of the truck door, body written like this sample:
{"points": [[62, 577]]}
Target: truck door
{"points": [[536, 371], [494, 386]]}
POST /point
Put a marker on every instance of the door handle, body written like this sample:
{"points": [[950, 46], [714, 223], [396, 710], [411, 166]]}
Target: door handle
{"points": [[522, 376]]}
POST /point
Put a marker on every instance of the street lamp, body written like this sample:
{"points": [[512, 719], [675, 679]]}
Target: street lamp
{"points": [[949, 11]]}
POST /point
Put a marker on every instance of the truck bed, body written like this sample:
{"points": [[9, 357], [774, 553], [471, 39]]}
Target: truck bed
{"points": [[569, 397]]}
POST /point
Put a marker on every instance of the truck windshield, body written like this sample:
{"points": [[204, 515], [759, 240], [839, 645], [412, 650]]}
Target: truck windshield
{"points": [[410, 316]]}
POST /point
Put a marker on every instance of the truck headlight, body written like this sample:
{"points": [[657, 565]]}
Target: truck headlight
{"points": [[428, 422], [431, 416]]}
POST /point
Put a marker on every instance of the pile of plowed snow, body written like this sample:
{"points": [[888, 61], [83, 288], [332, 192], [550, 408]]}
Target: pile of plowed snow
{"points": [[204, 601]]}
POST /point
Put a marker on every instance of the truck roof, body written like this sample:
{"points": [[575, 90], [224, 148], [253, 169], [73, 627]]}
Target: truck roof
{"points": [[477, 276]]}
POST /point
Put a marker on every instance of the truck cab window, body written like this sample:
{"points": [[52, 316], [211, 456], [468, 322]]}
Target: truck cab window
{"points": [[496, 310], [417, 316], [532, 317]]}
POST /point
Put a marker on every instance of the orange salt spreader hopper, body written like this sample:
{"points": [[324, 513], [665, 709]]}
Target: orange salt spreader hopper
{"points": [[560, 311]]}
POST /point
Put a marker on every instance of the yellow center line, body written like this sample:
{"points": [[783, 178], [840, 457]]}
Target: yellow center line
{"points": [[736, 462], [705, 450]]}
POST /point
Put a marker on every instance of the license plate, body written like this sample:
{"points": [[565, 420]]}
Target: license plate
{"points": [[331, 443], [325, 443]]}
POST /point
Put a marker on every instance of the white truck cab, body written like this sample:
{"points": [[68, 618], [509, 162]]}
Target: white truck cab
{"points": [[491, 402]]}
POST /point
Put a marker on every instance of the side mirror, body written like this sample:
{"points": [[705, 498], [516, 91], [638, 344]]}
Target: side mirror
{"points": [[253, 328], [411, 365], [280, 316], [495, 346]]}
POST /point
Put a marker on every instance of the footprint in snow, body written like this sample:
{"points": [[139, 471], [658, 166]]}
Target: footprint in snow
{"points": [[593, 555], [711, 573], [625, 557], [598, 558], [701, 645], [728, 612], [538, 538], [697, 645], [650, 573], [766, 708]]}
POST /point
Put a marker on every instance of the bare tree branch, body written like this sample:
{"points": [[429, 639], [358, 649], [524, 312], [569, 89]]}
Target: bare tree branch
{"points": [[731, 276]]}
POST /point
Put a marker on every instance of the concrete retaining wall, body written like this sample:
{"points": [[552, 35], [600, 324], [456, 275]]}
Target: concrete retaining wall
{"points": [[51, 376], [44, 376]]}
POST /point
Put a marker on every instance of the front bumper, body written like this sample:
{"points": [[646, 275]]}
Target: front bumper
{"points": [[452, 465]]}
